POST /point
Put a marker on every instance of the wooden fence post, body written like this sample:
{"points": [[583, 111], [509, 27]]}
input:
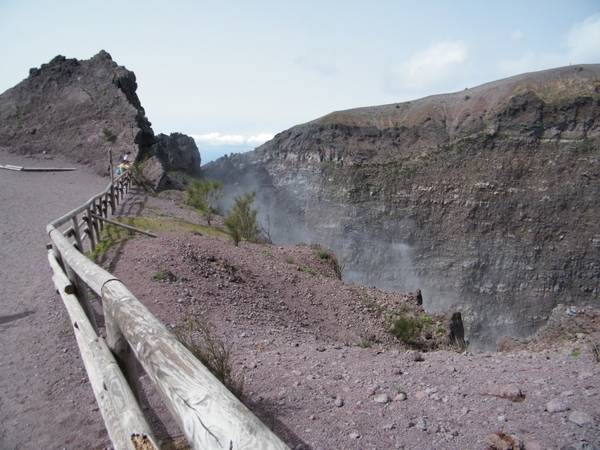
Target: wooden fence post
{"points": [[207, 413], [94, 222], [120, 410], [122, 351], [89, 230], [113, 206], [82, 295], [105, 202], [76, 233], [97, 210]]}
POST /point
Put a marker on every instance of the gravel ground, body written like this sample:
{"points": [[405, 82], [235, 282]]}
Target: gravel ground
{"points": [[319, 367], [322, 372], [46, 401]]}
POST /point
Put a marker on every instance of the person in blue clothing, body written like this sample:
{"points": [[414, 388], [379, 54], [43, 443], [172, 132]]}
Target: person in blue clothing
{"points": [[123, 167]]}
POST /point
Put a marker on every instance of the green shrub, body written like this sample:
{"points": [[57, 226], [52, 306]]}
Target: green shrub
{"points": [[307, 270], [203, 196], [108, 135], [406, 329], [241, 222], [160, 275], [329, 256], [164, 275], [323, 254]]}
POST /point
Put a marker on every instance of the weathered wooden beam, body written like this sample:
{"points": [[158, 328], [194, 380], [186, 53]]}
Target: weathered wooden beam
{"points": [[93, 275], [123, 353], [48, 169], [90, 230], [96, 225], [209, 415], [84, 296], [113, 206], [121, 412], [75, 226], [67, 217], [118, 224], [10, 167]]}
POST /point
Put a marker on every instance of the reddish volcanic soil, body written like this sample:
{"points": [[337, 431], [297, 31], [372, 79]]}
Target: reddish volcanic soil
{"points": [[320, 368]]}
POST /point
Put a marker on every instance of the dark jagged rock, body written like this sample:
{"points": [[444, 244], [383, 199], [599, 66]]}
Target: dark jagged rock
{"points": [[179, 158], [455, 332], [486, 199], [178, 152], [173, 163], [417, 297]]}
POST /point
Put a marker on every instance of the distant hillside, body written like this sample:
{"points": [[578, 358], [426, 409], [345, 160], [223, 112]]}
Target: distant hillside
{"points": [[486, 199]]}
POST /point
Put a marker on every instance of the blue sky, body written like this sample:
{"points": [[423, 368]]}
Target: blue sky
{"points": [[234, 73]]}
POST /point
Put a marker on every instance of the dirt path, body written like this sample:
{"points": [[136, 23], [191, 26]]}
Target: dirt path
{"points": [[46, 401]]}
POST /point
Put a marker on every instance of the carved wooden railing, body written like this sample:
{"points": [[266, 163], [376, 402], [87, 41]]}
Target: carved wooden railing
{"points": [[209, 416]]}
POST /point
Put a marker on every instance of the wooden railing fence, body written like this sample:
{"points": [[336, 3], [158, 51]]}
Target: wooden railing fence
{"points": [[209, 416]]}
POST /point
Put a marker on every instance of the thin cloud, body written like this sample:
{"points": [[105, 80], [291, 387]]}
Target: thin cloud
{"points": [[319, 61], [583, 41], [260, 139], [215, 139], [424, 69], [526, 63], [517, 35], [579, 46]]}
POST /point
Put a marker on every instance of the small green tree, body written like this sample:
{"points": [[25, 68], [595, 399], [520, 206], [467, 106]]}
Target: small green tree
{"points": [[203, 196], [241, 222]]}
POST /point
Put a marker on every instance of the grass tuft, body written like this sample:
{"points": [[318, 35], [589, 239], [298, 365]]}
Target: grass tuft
{"points": [[196, 335], [406, 329]]}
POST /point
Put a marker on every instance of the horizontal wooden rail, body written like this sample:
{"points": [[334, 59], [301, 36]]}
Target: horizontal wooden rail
{"points": [[123, 179], [37, 169], [120, 410], [122, 225], [208, 414]]}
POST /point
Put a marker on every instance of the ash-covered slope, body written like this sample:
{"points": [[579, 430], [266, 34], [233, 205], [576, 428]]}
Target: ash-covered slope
{"points": [[486, 199], [81, 109]]}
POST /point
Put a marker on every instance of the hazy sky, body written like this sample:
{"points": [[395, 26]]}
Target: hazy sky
{"points": [[234, 73]]}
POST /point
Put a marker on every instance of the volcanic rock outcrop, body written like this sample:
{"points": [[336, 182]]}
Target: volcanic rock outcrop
{"points": [[83, 109], [486, 199], [179, 161]]}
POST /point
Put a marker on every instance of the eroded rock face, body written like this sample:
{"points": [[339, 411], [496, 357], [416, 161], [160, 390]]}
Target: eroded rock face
{"points": [[83, 109], [79, 109], [178, 152], [179, 158], [487, 200]]}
